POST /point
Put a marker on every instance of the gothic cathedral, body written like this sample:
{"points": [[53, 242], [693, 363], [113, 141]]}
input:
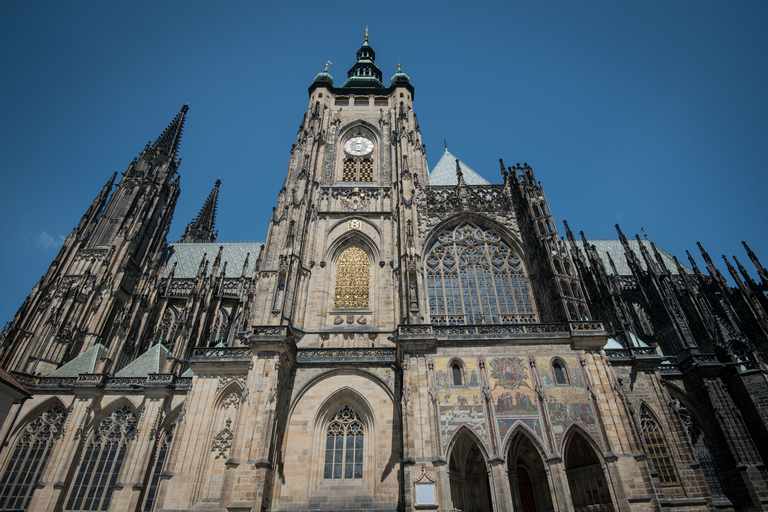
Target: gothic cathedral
{"points": [[404, 340]]}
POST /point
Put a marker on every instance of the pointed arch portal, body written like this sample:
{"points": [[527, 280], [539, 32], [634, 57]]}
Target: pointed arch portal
{"points": [[527, 475], [470, 488], [586, 478]]}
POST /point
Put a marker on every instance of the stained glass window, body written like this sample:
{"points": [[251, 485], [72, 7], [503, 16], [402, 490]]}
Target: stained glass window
{"points": [[352, 279], [104, 455], [474, 277], [29, 458], [659, 453], [344, 446], [163, 448]]}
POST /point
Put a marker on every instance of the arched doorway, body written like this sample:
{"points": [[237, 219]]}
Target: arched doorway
{"points": [[470, 489], [586, 478], [528, 476]]}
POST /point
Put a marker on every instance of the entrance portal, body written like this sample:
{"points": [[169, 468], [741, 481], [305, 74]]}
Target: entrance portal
{"points": [[528, 476], [470, 490], [586, 478]]}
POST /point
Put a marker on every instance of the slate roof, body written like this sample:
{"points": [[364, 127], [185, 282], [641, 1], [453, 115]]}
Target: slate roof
{"points": [[84, 363], [151, 361], [188, 257], [444, 172], [614, 247]]}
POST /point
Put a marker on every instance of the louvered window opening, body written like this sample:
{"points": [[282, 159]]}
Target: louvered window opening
{"points": [[474, 277], [103, 458], [357, 170], [662, 461], [29, 458], [344, 446]]}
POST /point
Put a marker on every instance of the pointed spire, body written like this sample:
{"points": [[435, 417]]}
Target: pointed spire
{"points": [[750, 282], [459, 174], [201, 229], [168, 142], [695, 267], [711, 266], [760, 270], [97, 206], [734, 274]]}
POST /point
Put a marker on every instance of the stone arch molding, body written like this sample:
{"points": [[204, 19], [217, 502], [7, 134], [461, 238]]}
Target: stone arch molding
{"points": [[524, 430], [466, 430], [340, 237]]}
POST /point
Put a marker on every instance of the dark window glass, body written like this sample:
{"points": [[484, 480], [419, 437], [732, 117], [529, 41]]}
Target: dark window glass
{"points": [[344, 446], [456, 375]]}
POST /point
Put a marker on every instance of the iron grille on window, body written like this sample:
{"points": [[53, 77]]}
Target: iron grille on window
{"points": [[474, 277], [102, 461], [659, 453], [344, 446], [352, 279], [357, 170], [29, 458]]}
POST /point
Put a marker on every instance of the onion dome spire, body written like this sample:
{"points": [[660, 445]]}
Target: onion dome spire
{"points": [[400, 77], [201, 229], [168, 142], [365, 73], [324, 76]]}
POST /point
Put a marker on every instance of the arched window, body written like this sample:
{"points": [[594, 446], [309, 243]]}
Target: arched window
{"points": [[356, 169], [659, 453], [29, 458], [474, 277], [456, 369], [560, 371], [102, 461], [164, 446], [352, 279], [344, 446]]}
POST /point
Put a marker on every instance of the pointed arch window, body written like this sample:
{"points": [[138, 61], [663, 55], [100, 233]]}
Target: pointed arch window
{"points": [[29, 458], [474, 277], [164, 446], [353, 270], [103, 458], [559, 369], [344, 446], [658, 450]]}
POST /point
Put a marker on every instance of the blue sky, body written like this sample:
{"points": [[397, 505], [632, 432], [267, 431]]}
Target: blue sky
{"points": [[648, 114]]}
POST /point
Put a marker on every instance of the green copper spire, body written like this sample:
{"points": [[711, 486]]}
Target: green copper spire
{"points": [[399, 77], [324, 76], [365, 73]]}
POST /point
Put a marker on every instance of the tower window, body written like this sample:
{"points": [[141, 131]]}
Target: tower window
{"points": [[342, 101], [344, 446], [357, 170], [362, 101], [380, 101], [352, 279]]}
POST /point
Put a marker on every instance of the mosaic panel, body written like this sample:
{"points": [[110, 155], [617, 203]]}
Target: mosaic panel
{"points": [[460, 405], [567, 403]]}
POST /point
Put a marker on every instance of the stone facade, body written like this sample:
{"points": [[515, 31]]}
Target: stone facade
{"points": [[401, 341]]}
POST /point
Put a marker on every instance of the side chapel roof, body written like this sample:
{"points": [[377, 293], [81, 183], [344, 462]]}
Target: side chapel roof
{"points": [[444, 173], [187, 257]]}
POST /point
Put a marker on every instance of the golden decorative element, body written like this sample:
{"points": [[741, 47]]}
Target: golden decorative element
{"points": [[354, 224], [352, 279]]}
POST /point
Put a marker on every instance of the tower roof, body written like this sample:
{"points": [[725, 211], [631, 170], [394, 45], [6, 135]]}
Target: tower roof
{"points": [[364, 74], [201, 229], [444, 172], [168, 141]]}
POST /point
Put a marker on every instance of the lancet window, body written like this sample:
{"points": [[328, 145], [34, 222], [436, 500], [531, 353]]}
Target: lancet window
{"points": [[355, 169], [344, 446], [104, 456], [29, 458], [474, 277], [164, 446], [352, 279], [662, 461]]}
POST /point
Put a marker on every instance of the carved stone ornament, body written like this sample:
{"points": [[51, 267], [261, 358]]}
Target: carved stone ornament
{"points": [[223, 441]]}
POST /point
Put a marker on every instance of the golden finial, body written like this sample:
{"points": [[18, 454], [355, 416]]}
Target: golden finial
{"points": [[366, 32], [327, 63]]}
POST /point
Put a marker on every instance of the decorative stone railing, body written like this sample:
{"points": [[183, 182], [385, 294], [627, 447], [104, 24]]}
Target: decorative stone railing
{"points": [[345, 355], [101, 381], [503, 331], [208, 354]]}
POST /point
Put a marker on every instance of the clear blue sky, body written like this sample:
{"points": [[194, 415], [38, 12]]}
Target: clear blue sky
{"points": [[643, 113]]}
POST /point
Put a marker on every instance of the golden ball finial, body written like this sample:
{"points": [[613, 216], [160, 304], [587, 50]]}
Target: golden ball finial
{"points": [[366, 33]]}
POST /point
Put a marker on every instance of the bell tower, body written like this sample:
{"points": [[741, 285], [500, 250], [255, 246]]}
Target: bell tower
{"points": [[340, 239]]}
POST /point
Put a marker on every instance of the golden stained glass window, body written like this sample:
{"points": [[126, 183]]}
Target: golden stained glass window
{"points": [[349, 170], [366, 170], [352, 279]]}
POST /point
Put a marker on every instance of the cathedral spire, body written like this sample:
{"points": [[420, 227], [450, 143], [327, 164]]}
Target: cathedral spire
{"points": [[201, 229], [168, 141], [365, 73], [760, 270]]}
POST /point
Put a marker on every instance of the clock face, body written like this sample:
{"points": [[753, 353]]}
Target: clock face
{"points": [[358, 146]]}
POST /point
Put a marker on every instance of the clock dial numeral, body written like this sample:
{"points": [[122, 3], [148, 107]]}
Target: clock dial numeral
{"points": [[358, 146]]}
